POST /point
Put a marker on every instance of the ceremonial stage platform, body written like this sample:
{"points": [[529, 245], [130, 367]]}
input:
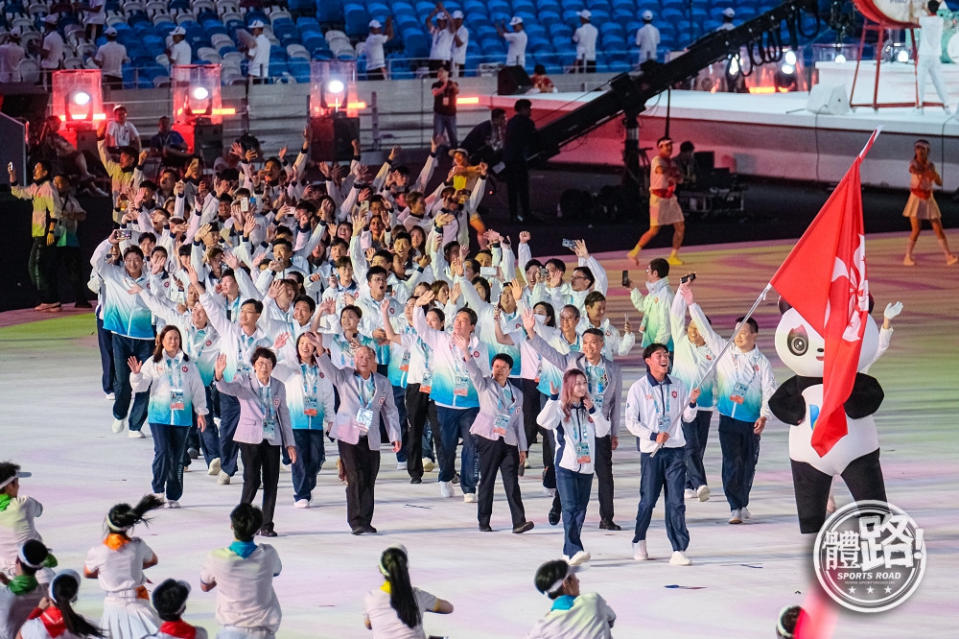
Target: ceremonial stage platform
{"points": [[56, 423], [768, 134]]}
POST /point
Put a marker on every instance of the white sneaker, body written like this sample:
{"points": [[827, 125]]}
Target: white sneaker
{"points": [[639, 551], [160, 496], [469, 498], [679, 558], [428, 465], [173, 504], [735, 516], [223, 479], [689, 493], [703, 493], [214, 468], [110, 397], [579, 558], [446, 489], [135, 434], [119, 425], [301, 503], [526, 463], [549, 492], [401, 465], [744, 513]]}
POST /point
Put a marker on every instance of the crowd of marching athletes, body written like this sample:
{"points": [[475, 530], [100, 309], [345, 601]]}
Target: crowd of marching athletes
{"points": [[250, 320]]}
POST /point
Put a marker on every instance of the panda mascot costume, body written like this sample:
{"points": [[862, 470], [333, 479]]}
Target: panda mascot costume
{"points": [[797, 402]]}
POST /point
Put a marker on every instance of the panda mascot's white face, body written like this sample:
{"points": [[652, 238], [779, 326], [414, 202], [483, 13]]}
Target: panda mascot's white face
{"points": [[800, 347]]}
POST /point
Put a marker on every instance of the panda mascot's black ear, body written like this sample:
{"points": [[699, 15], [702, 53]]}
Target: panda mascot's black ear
{"points": [[784, 305], [872, 303]]}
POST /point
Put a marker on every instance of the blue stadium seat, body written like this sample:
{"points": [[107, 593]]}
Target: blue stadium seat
{"points": [[328, 12]]}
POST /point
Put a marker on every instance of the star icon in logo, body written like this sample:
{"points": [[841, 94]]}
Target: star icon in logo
{"points": [[852, 590], [869, 590], [888, 590]]}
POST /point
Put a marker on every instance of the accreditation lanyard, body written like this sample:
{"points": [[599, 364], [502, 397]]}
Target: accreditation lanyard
{"points": [[364, 413], [175, 378], [582, 435], [266, 404], [310, 392], [596, 378], [195, 343], [460, 379], [662, 409], [244, 344]]}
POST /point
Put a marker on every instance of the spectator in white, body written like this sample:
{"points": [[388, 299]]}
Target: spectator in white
{"points": [[180, 53], [51, 50], [573, 614], [930, 52], [647, 38], [516, 42], [461, 38], [121, 131], [375, 58], [728, 14], [585, 38], [11, 54], [94, 16], [441, 50], [110, 57], [259, 68]]}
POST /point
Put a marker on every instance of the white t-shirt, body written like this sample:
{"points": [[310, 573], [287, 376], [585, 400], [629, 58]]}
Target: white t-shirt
{"points": [[260, 64], [585, 39], [120, 570], [123, 134], [590, 616], [95, 14], [647, 39], [110, 57], [16, 527], [53, 45], [459, 52], [442, 48], [384, 620], [516, 51], [10, 56], [244, 587], [375, 58], [930, 42], [181, 53]]}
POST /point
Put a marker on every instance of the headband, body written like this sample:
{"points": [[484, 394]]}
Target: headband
{"points": [[559, 582], [26, 562], [16, 475], [72, 574], [399, 547], [922, 143]]}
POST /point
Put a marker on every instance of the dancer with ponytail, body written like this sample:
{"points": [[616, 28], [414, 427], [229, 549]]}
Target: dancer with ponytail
{"points": [[54, 617], [118, 564], [395, 609], [22, 593], [176, 393], [242, 573]]}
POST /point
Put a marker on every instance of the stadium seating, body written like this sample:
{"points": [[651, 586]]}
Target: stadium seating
{"points": [[305, 30]]}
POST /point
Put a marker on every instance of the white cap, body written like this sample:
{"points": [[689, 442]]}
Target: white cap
{"points": [[729, 12], [109, 31], [515, 20], [51, 19], [375, 24], [585, 14], [178, 31], [647, 15], [458, 15], [257, 24]]}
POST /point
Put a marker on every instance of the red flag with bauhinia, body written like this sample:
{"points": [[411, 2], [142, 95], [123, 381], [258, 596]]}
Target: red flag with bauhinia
{"points": [[824, 279]]}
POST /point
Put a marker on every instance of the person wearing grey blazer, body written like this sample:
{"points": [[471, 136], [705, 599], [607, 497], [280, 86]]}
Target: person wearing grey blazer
{"points": [[264, 427], [498, 435], [366, 402], [606, 388]]}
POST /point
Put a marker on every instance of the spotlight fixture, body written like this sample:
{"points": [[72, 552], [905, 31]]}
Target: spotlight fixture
{"points": [[199, 92], [81, 98], [335, 86]]}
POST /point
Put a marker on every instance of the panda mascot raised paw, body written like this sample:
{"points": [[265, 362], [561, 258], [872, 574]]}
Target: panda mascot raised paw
{"points": [[797, 402]]}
